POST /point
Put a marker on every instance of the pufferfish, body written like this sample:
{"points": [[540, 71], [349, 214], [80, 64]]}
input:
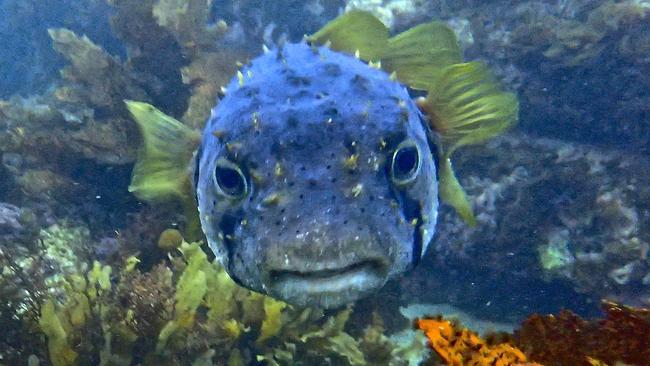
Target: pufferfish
{"points": [[317, 176]]}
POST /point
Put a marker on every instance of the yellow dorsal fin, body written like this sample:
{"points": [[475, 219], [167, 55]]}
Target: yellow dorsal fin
{"points": [[162, 171], [466, 106], [419, 54], [352, 31]]}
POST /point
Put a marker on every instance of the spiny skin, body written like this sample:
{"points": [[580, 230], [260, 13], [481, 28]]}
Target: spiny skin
{"points": [[314, 133]]}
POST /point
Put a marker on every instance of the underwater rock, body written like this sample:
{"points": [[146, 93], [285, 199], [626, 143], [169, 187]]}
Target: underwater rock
{"points": [[94, 77], [28, 64], [395, 14], [255, 22], [618, 338], [9, 215], [547, 211], [621, 337], [18, 226], [580, 67], [50, 131]]}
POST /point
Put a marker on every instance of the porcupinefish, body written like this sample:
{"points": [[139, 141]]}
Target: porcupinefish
{"points": [[317, 176]]}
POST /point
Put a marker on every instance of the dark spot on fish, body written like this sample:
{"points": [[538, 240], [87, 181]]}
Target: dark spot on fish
{"points": [[350, 144], [303, 94], [292, 122], [249, 92], [277, 149], [298, 81], [333, 70], [331, 113], [360, 82]]}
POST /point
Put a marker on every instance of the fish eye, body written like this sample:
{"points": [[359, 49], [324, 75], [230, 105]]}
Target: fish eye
{"points": [[405, 165], [230, 180]]}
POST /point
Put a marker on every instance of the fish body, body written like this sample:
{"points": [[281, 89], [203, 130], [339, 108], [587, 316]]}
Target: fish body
{"points": [[317, 178]]}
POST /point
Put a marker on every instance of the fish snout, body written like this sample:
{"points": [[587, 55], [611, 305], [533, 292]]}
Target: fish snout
{"points": [[321, 265]]}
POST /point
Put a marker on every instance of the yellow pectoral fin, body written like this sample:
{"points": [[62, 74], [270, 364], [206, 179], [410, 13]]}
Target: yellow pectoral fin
{"points": [[418, 55], [452, 193], [466, 106], [161, 172], [355, 31]]}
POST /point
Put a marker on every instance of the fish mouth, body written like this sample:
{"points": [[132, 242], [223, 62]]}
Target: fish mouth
{"points": [[328, 287]]}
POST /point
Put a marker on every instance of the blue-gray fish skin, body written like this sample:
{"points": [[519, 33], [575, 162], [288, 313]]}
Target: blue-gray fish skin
{"points": [[316, 177]]}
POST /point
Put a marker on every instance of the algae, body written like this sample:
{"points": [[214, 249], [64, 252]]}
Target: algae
{"points": [[209, 318]]}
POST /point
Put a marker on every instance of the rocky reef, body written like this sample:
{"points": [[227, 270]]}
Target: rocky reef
{"points": [[563, 339], [554, 218], [580, 67], [562, 203]]}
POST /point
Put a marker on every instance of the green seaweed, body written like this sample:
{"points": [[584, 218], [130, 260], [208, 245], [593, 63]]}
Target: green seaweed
{"points": [[61, 354], [236, 324]]}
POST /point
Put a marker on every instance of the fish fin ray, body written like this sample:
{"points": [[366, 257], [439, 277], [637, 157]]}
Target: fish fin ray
{"points": [[352, 31], [452, 193], [161, 172], [466, 106], [418, 55]]}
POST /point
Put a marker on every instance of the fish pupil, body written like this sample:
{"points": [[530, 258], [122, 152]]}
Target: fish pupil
{"points": [[405, 163], [230, 180]]}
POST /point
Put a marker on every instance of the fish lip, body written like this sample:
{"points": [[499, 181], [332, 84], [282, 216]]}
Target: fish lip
{"points": [[371, 265], [329, 286]]}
